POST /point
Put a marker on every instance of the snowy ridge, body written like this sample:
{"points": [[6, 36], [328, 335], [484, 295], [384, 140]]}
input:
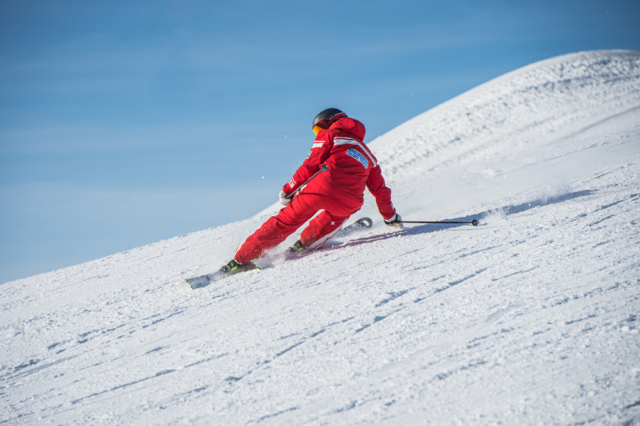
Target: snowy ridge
{"points": [[549, 99], [530, 318]]}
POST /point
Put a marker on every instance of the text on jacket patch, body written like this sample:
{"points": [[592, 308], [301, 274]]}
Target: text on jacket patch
{"points": [[356, 155]]}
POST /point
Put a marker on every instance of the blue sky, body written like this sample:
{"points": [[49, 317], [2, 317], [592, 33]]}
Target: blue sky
{"points": [[124, 123]]}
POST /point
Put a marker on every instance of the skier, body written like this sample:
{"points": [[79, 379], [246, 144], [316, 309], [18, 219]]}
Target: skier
{"points": [[338, 191]]}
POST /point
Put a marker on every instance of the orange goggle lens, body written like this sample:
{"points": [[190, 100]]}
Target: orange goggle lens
{"points": [[317, 129]]}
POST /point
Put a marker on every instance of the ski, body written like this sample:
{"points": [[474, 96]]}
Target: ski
{"points": [[358, 225], [274, 259], [270, 260]]}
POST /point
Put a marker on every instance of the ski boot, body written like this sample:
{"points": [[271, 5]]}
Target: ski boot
{"points": [[296, 248], [234, 267]]}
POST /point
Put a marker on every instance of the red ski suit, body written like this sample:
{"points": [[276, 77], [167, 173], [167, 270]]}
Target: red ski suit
{"points": [[338, 191]]}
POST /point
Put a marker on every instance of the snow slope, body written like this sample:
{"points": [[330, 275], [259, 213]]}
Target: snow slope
{"points": [[530, 318]]}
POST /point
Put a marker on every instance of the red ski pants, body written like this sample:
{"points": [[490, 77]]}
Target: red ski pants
{"points": [[293, 216]]}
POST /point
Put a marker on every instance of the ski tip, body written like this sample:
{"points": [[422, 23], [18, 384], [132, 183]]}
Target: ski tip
{"points": [[192, 286], [198, 282], [366, 222], [474, 222]]}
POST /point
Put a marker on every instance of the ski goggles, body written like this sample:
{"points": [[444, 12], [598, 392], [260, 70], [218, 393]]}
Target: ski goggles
{"points": [[320, 126]]}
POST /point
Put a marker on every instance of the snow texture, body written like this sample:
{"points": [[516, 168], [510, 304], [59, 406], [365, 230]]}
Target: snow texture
{"points": [[530, 318]]}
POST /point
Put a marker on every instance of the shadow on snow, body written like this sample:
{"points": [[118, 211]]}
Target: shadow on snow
{"points": [[429, 228]]}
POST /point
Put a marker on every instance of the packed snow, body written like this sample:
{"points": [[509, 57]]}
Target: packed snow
{"points": [[530, 318]]}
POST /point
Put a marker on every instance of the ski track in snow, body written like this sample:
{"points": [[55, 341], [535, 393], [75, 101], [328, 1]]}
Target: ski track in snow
{"points": [[530, 318]]}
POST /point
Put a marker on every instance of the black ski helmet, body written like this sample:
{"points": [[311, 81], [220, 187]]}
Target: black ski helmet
{"points": [[329, 115]]}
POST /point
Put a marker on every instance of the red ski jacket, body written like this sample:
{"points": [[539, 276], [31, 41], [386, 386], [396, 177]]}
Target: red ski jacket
{"points": [[351, 167]]}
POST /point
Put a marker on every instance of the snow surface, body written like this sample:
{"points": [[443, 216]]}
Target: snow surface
{"points": [[530, 318]]}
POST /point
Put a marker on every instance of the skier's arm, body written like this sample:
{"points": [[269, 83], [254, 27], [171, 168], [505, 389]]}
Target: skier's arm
{"points": [[320, 151], [382, 194]]}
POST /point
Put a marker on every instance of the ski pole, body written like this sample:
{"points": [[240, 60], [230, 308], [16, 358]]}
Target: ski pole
{"points": [[324, 168], [474, 222]]}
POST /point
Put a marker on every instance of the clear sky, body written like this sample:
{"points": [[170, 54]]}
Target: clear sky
{"points": [[124, 123]]}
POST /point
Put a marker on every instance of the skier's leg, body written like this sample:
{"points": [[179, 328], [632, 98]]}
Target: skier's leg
{"points": [[275, 230], [321, 229]]}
